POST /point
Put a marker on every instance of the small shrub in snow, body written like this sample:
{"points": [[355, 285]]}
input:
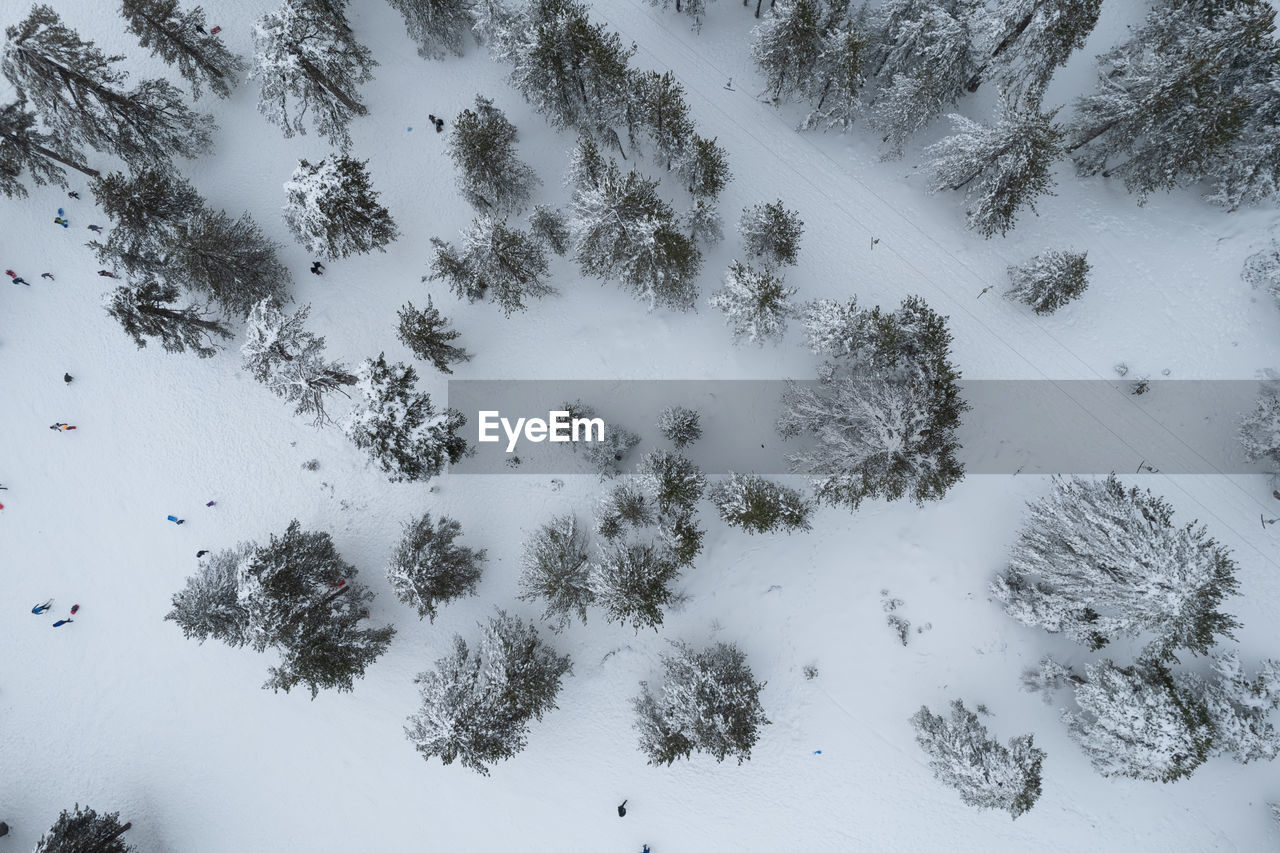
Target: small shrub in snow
{"points": [[758, 505], [623, 509], [771, 233], [556, 570], [428, 569], [1050, 280], [679, 425], [631, 583], [674, 481], [333, 210], [754, 303]]}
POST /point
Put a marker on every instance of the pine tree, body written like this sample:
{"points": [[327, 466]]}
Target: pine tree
{"points": [[280, 353], [437, 26], [1137, 721], [755, 304], [1260, 429], [622, 229], [660, 108], [145, 310], [709, 702], [704, 166], [549, 225], [556, 570], [1096, 561], [500, 24], [183, 39], [703, 221], [1001, 168], [987, 775], [77, 92], [427, 334], [333, 209], [83, 830], [146, 208], [695, 9], [758, 505], [229, 260], [492, 178], [606, 456], [679, 426], [428, 569], [309, 62], [786, 47], [400, 429], [1049, 280], [771, 233], [837, 80], [675, 482], [624, 509], [631, 582], [505, 264], [24, 148], [1240, 708], [1262, 269], [1034, 37], [476, 707], [1249, 173], [1174, 99], [209, 605]]}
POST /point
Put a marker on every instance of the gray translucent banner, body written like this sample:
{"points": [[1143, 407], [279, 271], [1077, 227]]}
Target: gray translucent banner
{"points": [[1013, 426]]}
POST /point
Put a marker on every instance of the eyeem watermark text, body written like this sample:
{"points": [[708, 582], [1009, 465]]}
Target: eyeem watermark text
{"points": [[559, 426]]}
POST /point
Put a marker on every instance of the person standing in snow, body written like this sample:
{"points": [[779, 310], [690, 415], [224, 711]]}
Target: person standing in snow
{"points": [[61, 426], [439, 125], [200, 554], [74, 194], [96, 229], [317, 268], [622, 809], [67, 377], [106, 273]]}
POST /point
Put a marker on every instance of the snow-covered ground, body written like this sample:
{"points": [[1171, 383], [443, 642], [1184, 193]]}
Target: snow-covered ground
{"points": [[118, 711]]}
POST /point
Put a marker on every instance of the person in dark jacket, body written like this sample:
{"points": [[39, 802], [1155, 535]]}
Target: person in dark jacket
{"points": [[317, 268], [62, 622], [41, 608], [106, 273], [67, 378], [622, 809]]}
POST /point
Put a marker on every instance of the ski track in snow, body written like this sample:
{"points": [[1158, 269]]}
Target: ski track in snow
{"points": [[117, 711]]}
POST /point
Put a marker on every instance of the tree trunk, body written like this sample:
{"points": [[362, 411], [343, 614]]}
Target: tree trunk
{"points": [[976, 80], [45, 152], [323, 82], [186, 48]]}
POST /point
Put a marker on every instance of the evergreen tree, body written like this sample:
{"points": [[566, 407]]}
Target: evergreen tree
{"points": [[476, 707], [145, 311], [1137, 721], [837, 80], [1096, 561], [622, 229], [658, 104], [679, 426], [1001, 168], [280, 353], [309, 62], [427, 334], [703, 221], [884, 411], [987, 775], [1250, 171], [146, 207], [606, 456], [695, 9], [505, 264], [83, 830], [548, 225], [500, 25], [399, 427], [436, 25], [209, 605], [1034, 37], [1240, 708], [333, 209], [709, 702], [229, 260], [787, 45], [77, 92], [631, 582], [704, 167], [771, 233], [625, 508], [183, 39], [428, 569], [556, 570], [755, 303], [1262, 269], [492, 178], [24, 148], [1260, 428], [1049, 280], [1173, 100], [758, 505], [675, 482]]}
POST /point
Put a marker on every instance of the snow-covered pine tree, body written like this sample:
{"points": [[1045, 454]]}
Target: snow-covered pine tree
{"points": [[427, 334], [695, 9], [1034, 37], [209, 605], [658, 105], [987, 774], [709, 702], [607, 455], [146, 310], [491, 177], [1240, 708], [397, 425], [679, 532], [1001, 168], [626, 508], [499, 24], [679, 426], [228, 260], [1262, 269], [84, 830], [145, 207], [437, 26], [428, 570], [1137, 721], [884, 411], [182, 39], [1260, 428], [497, 261], [78, 93], [282, 354], [622, 229], [303, 599], [1173, 99], [631, 582], [1096, 561], [333, 210], [786, 47], [26, 148], [755, 303], [1049, 280], [550, 226], [704, 166], [758, 505], [1250, 172], [771, 233], [476, 707], [674, 482], [835, 95], [555, 570], [309, 62], [706, 228]]}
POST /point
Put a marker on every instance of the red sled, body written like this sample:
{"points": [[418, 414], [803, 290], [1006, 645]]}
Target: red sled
{"points": [[215, 31]]}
